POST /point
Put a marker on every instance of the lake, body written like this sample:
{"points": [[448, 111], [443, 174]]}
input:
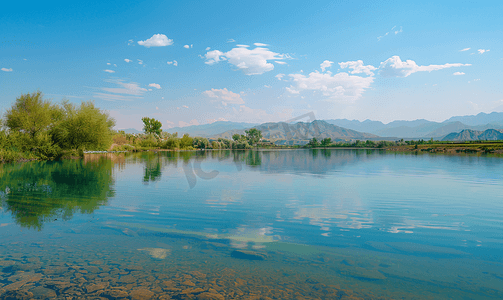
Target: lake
{"points": [[269, 224]]}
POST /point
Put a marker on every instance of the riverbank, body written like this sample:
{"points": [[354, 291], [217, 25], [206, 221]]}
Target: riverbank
{"points": [[451, 148]]}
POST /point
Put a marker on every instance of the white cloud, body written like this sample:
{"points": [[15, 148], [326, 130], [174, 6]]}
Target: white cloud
{"points": [[357, 67], [340, 86], [157, 86], [109, 71], [108, 64], [481, 51], [130, 42], [115, 65], [213, 57], [267, 86], [387, 33], [260, 44], [174, 63], [127, 60], [186, 46], [157, 40], [215, 120], [476, 80], [395, 67], [126, 91], [280, 62], [279, 76], [185, 106], [224, 95], [140, 62], [243, 46], [130, 88], [250, 61], [6, 70], [326, 64], [292, 90], [184, 124], [465, 49], [207, 48], [231, 41], [458, 73]]}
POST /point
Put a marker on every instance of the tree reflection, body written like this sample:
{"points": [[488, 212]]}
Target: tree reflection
{"points": [[39, 192], [254, 158], [152, 169]]}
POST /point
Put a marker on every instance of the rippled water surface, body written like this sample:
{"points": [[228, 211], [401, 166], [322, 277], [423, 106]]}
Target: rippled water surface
{"points": [[290, 224]]}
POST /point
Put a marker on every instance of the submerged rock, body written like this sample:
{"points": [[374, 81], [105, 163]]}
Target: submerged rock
{"points": [[141, 294], [250, 255], [210, 296]]}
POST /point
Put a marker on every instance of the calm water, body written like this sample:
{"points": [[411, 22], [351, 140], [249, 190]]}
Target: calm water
{"points": [[292, 224]]}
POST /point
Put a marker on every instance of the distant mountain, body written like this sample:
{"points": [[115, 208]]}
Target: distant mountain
{"points": [[130, 130], [303, 131], [475, 135], [424, 128], [365, 126], [208, 130], [480, 119], [447, 128]]}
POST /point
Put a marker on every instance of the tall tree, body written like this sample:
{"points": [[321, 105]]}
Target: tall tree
{"points": [[326, 142], [31, 114], [83, 127], [151, 125], [253, 135]]}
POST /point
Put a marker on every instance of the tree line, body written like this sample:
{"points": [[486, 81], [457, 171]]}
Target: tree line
{"points": [[35, 128]]}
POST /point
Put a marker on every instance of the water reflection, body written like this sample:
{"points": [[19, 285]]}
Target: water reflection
{"points": [[39, 192]]}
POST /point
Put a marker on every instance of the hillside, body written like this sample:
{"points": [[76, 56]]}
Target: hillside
{"points": [[302, 131], [475, 135], [208, 130]]}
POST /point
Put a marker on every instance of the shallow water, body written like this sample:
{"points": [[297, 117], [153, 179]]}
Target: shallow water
{"points": [[289, 224]]}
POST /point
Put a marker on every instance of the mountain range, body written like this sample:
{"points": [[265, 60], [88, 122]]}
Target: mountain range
{"points": [[424, 128], [455, 128], [475, 135], [302, 132], [210, 130]]}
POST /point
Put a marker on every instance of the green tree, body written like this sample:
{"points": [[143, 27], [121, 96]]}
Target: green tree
{"points": [[201, 143], [186, 141], [326, 142], [84, 127], [236, 137], [31, 114], [313, 142], [151, 125], [253, 135]]}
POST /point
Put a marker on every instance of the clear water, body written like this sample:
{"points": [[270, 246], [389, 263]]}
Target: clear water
{"points": [[290, 224]]}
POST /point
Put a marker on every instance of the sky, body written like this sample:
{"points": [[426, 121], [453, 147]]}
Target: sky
{"points": [[193, 62]]}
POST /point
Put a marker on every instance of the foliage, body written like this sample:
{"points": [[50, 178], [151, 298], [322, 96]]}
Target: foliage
{"points": [[31, 114], [151, 125], [201, 143], [313, 143], [326, 142], [171, 143], [253, 135], [186, 142], [84, 127], [149, 141]]}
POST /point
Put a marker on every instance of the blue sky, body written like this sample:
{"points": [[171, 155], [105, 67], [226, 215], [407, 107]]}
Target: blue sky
{"points": [[195, 62]]}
